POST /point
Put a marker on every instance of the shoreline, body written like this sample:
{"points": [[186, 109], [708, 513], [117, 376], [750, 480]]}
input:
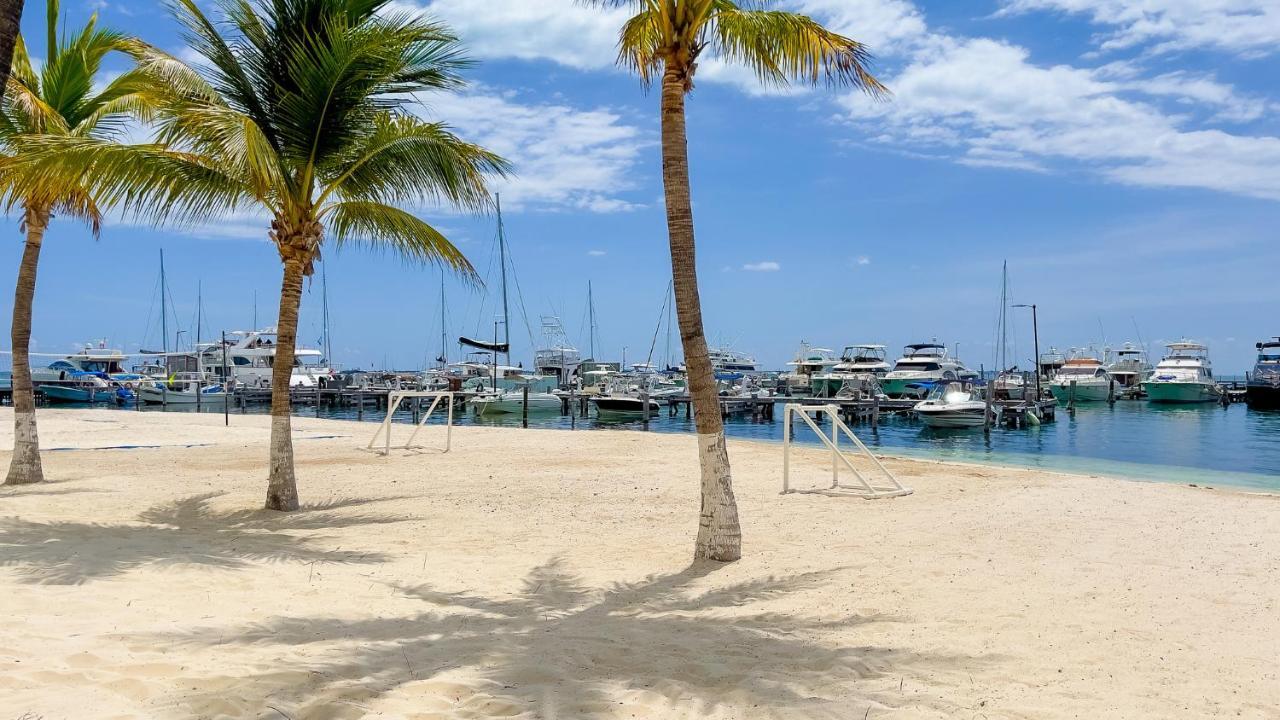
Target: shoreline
{"points": [[536, 575]]}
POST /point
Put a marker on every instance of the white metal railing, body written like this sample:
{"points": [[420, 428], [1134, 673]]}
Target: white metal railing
{"points": [[393, 402], [866, 488]]}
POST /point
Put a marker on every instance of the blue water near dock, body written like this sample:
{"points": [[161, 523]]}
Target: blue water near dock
{"points": [[1203, 444]]}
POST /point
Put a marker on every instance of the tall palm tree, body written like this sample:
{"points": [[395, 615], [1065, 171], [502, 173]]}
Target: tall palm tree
{"points": [[10, 26], [60, 100], [302, 111], [665, 39]]}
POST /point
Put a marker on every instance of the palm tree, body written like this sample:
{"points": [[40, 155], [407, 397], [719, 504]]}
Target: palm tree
{"points": [[60, 100], [10, 26], [666, 39], [301, 111]]}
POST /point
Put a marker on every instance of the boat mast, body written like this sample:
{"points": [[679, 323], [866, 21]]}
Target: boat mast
{"points": [[591, 320], [502, 256], [164, 317], [199, 310], [671, 301], [1003, 358], [444, 339], [324, 303]]}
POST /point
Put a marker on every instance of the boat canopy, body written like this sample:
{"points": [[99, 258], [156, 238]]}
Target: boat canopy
{"points": [[489, 346]]}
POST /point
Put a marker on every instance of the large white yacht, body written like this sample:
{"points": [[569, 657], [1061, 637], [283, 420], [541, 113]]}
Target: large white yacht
{"points": [[922, 365], [859, 364], [1185, 375], [250, 357], [1083, 376], [726, 360]]}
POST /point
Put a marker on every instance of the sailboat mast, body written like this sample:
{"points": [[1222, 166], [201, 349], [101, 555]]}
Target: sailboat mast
{"points": [[199, 310], [444, 335], [324, 303], [502, 255], [671, 301], [591, 320], [164, 316], [1004, 304]]}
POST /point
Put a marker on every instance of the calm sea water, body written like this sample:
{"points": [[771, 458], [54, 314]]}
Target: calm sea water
{"points": [[1204, 444]]}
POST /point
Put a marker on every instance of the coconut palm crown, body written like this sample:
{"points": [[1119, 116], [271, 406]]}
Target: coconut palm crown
{"points": [[68, 99], [301, 109], [664, 40]]}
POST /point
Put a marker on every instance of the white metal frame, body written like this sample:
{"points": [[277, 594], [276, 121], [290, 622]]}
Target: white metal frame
{"points": [[393, 402], [865, 489]]}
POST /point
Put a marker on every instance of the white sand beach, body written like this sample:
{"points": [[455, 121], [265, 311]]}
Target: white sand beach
{"points": [[546, 574]]}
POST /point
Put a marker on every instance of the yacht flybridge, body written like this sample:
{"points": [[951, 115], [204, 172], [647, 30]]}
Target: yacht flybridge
{"points": [[250, 359], [1264, 382], [922, 365], [860, 366], [1183, 376], [1128, 365]]}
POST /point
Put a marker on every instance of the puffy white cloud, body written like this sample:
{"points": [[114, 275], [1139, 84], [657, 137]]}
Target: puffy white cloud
{"points": [[765, 266], [565, 157], [985, 102], [1250, 27]]}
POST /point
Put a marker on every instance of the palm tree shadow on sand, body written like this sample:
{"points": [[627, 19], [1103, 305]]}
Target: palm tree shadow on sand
{"points": [[559, 649], [183, 532]]}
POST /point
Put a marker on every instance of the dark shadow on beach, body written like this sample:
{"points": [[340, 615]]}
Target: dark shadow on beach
{"points": [[183, 532], [559, 649]]}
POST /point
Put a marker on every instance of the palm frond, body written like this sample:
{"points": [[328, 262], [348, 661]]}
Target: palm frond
{"points": [[407, 159], [783, 46], [380, 226], [640, 43]]}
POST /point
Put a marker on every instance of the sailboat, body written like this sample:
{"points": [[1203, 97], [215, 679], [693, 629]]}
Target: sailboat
{"points": [[509, 385], [1009, 383]]}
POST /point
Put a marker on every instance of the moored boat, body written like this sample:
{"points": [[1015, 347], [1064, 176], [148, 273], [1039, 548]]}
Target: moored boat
{"points": [[1185, 375], [809, 363], [860, 369], [921, 366], [1263, 388], [1083, 378], [953, 405]]}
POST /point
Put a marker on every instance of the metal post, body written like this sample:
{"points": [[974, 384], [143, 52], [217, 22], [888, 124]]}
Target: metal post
{"points": [[786, 448], [644, 401], [835, 447]]}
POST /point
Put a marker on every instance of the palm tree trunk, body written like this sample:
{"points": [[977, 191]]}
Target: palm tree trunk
{"points": [[25, 467], [10, 24], [282, 486], [719, 535]]}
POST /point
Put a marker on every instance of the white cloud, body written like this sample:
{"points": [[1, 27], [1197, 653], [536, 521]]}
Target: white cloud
{"points": [[984, 102], [862, 260], [765, 266], [596, 253], [1249, 27], [565, 157]]}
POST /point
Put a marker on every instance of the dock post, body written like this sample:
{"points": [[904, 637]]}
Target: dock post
{"points": [[164, 394], [644, 402], [1111, 392], [568, 407], [317, 399], [1071, 398], [875, 413], [524, 406], [360, 405], [986, 418], [199, 386]]}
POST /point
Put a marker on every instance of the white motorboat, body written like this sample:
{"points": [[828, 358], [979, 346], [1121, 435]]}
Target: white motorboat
{"points": [[810, 362], [183, 389], [1185, 375], [1081, 376], [724, 360], [921, 366], [513, 401], [250, 358], [1128, 365], [860, 368], [953, 405]]}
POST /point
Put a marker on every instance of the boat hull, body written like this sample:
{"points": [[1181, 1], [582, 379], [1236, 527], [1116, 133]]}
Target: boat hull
{"points": [[506, 404], [953, 418], [908, 387], [623, 406], [1181, 392], [62, 393], [156, 396], [1261, 396], [1085, 392]]}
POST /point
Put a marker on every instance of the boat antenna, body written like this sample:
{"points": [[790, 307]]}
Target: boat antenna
{"points": [[591, 320], [255, 309], [671, 293], [199, 310], [502, 255]]}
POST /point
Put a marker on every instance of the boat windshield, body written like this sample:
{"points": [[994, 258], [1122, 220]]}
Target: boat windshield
{"points": [[1080, 371], [1269, 354], [917, 366]]}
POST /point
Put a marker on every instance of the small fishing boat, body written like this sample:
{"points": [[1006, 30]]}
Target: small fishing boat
{"points": [[1083, 377], [809, 363], [1263, 388], [953, 405], [513, 401], [1185, 375], [185, 388]]}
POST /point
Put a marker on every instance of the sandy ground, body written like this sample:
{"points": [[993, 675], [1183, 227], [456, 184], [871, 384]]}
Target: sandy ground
{"points": [[546, 574]]}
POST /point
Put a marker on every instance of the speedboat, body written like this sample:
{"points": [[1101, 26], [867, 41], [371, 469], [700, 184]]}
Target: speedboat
{"points": [[726, 360], [1263, 388], [809, 363], [860, 367], [1185, 375], [1128, 365], [921, 366], [953, 405], [623, 404], [513, 401], [184, 388], [86, 387], [1083, 377]]}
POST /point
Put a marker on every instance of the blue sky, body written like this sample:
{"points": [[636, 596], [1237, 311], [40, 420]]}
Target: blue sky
{"points": [[1125, 162]]}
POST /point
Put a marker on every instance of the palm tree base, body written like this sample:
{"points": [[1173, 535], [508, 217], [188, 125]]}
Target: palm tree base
{"points": [[719, 534], [25, 467]]}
